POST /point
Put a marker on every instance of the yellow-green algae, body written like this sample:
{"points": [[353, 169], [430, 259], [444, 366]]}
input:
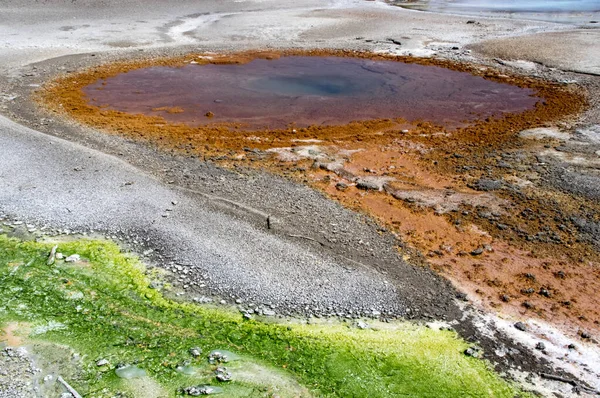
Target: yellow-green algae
{"points": [[103, 308]]}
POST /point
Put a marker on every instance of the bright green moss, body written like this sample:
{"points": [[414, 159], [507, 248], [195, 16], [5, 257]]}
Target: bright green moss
{"points": [[103, 307]]}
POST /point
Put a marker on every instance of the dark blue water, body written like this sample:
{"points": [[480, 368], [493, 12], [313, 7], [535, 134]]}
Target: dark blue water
{"points": [[562, 11]]}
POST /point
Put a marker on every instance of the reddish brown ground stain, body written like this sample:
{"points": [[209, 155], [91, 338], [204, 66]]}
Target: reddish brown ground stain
{"points": [[562, 278]]}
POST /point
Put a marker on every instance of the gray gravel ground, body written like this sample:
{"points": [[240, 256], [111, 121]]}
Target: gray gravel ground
{"points": [[76, 188], [17, 374], [215, 238]]}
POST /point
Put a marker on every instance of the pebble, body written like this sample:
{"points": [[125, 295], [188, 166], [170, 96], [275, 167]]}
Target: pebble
{"points": [[472, 352], [520, 326], [477, 251], [195, 352], [540, 346], [340, 186], [222, 374], [196, 391], [102, 362], [362, 325], [73, 258]]}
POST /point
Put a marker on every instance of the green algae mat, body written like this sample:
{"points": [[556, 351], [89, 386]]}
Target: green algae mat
{"points": [[103, 329]]}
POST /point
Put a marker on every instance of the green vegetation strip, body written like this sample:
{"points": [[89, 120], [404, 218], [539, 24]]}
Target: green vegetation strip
{"points": [[103, 308]]}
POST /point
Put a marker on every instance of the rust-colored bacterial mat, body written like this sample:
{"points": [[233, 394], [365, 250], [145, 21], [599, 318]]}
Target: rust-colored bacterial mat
{"points": [[426, 132], [303, 91]]}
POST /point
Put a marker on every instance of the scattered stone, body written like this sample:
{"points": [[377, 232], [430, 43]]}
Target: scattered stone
{"points": [[572, 346], [530, 276], [472, 352], [527, 305], [560, 275], [73, 258], [367, 185], [485, 184], [195, 352], [362, 325], [462, 296], [218, 357], [222, 374], [505, 298], [477, 251], [102, 362], [340, 186], [196, 391], [52, 255], [585, 335], [540, 346], [520, 326]]}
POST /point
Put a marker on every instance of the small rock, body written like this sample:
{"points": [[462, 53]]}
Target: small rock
{"points": [[222, 374], [195, 352], [367, 185], [362, 325], [102, 362], [472, 352], [196, 391], [527, 305], [340, 186], [485, 184], [477, 251], [462, 296], [520, 326], [73, 258], [540, 346], [585, 335], [217, 357], [571, 346]]}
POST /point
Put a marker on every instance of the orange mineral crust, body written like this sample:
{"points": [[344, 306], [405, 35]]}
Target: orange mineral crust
{"points": [[431, 177]]}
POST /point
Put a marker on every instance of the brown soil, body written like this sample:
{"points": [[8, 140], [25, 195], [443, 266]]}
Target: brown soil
{"points": [[426, 199], [8, 334]]}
